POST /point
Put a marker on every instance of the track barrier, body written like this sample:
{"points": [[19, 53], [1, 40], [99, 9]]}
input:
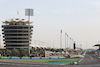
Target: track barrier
{"points": [[32, 57]]}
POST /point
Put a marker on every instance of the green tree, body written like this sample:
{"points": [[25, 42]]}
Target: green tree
{"points": [[15, 52], [1, 52], [8, 52], [32, 50], [53, 49], [22, 52], [41, 52]]}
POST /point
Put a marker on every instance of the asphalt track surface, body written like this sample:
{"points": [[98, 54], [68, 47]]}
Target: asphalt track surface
{"points": [[50, 66], [90, 59]]}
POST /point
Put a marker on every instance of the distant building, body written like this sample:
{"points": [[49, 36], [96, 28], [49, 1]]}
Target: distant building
{"points": [[15, 33], [97, 52]]}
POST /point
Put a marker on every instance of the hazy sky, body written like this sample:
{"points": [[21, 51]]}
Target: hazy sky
{"points": [[80, 19]]}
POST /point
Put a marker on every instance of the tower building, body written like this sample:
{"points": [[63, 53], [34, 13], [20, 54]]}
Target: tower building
{"points": [[16, 33]]}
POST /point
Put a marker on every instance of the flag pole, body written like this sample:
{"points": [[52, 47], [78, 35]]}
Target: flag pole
{"points": [[17, 13]]}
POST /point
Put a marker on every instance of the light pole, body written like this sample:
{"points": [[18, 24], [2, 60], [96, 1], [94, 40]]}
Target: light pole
{"points": [[29, 12], [70, 42], [65, 40], [60, 39]]}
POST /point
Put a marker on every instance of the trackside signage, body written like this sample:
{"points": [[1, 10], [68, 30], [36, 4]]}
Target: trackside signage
{"points": [[35, 57], [32, 57], [54, 57], [25, 57], [5, 57], [45, 58], [46, 53], [15, 57]]}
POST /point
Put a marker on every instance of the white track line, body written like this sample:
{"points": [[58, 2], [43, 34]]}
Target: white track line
{"points": [[83, 55], [62, 64], [91, 57], [36, 65], [81, 59]]}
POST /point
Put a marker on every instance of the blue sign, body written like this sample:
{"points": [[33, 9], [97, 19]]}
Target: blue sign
{"points": [[91, 50], [54, 57], [15, 57], [35, 57]]}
